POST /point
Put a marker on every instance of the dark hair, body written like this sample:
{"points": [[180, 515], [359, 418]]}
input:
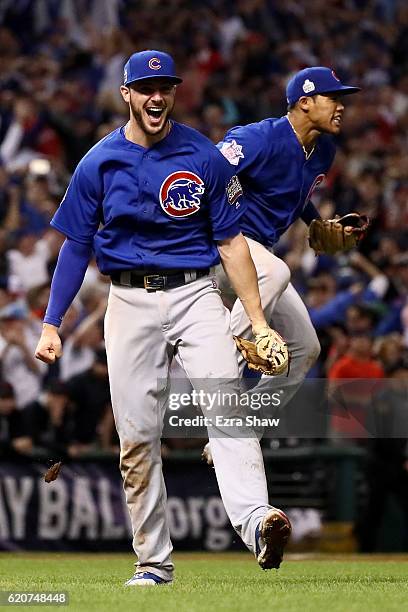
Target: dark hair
{"points": [[364, 310], [401, 364], [340, 326]]}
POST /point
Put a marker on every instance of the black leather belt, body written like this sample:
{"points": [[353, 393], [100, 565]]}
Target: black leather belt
{"points": [[157, 281]]}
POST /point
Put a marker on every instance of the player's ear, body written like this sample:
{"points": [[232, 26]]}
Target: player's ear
{"points": [[125, 91], [304, 103]]}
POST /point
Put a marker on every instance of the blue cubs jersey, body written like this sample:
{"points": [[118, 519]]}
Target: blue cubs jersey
{"points": [[275, 175], [156, 208]]}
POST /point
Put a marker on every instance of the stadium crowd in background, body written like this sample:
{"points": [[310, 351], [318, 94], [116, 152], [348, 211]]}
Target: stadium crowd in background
{"points": [[60, 67]]}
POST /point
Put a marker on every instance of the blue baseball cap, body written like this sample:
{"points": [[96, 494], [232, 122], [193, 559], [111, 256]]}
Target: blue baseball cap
{"points": [[148, 65], [313, 81]]}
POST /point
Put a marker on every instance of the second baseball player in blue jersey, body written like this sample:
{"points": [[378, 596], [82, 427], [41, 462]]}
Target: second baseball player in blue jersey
{"points": [[277, 177], [279, 163]]}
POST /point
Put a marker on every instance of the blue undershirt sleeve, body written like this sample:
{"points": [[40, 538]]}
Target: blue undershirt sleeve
{"points": [[309, 213], [69, 273]]}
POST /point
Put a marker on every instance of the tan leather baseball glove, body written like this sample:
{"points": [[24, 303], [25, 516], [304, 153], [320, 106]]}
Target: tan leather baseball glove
{"points": [[331, 236], [268, 354]]}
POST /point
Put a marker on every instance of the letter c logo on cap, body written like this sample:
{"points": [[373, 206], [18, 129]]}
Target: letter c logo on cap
{"points": [[154, 63]]}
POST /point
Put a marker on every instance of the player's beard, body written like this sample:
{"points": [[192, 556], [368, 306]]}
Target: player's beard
{"points": [[147, 129]]}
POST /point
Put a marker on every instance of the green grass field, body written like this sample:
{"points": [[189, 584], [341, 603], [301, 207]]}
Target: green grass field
{"points": [[212, 582]]}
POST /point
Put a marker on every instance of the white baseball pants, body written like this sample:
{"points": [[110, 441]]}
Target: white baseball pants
{"points": [[141, 331]]}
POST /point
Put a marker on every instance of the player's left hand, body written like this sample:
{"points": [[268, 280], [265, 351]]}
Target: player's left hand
{"points": [[268, 354], [271, 346], [49, 347]]}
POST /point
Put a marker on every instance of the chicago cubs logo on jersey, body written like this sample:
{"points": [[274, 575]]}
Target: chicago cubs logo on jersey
{"points": [[180, 194], [319, 178]]}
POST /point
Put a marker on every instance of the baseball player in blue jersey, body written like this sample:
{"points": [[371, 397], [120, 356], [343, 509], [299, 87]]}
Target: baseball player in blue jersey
{"points": [[279, 163], [158, 205]]}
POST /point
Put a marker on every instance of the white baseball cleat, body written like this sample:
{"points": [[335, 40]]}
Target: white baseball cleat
{"points": [[271, 537], [146, 579]]}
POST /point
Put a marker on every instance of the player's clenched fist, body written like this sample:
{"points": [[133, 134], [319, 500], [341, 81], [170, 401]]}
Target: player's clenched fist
{"points": [[49, 347]]}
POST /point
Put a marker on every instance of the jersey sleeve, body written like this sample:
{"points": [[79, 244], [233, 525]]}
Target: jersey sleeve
{"points": [[68, 276], [241, 146], [224, 196], [79, 213]]}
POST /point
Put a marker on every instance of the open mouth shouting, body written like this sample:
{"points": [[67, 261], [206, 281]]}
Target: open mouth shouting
{"points": [[155, 115]]}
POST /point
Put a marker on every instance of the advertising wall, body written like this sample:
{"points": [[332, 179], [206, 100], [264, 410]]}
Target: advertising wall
{"points": [[84, 509]]}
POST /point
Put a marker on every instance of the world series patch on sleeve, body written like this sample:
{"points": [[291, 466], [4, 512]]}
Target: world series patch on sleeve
{"points": [[234, 190]]}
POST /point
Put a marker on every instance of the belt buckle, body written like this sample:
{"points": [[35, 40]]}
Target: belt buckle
{"points": [[153, 282]]}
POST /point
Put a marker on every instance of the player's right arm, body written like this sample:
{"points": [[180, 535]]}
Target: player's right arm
{"points": [[226, 207], [240, 269], [69, 274], [78, 219]]}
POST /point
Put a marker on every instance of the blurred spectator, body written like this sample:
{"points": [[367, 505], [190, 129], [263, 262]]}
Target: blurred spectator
{"points": [[60, 70], [18, 339], [39, 205], [360, 319], [13, 431], [325, 304], [27, 135], [79, 348], [390, 351], [353, 395], [337, 342], [29, 259], [114, 55], [90, 395], [49, 420], [387, 470], [37, 300], [94, 287], [394, 319], [358, 362]]}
